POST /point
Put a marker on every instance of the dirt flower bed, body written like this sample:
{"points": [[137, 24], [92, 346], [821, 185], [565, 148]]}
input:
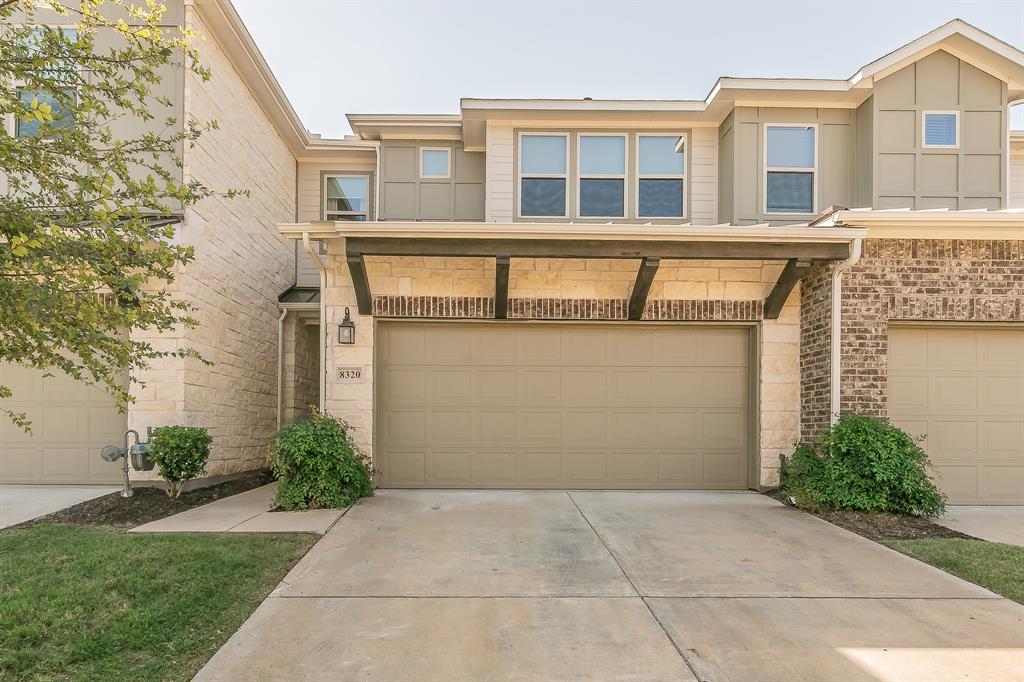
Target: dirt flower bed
{"points": [[149, 503], [879, 526]]}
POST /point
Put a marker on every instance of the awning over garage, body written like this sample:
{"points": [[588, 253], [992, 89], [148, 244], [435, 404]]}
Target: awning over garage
{"points": [[799, 246]]}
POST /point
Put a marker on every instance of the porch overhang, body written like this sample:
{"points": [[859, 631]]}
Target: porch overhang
{"points": [[798, 246]]}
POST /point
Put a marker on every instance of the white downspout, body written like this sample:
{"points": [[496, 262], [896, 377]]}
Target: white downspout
{"points": [[835, 366], [280, 362], [323, 317]]}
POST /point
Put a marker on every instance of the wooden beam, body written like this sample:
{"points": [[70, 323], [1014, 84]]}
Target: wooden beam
{"points": [[501, 266], [791, 274], [360, 282], [642, 286], [597, 248]]}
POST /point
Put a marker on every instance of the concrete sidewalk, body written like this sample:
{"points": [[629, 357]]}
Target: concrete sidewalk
{"points": [[995, 524], [453, 586], [246, 512], [20, 503]]}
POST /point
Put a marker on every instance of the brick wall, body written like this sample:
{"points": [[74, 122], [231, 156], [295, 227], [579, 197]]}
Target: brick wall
{"points": [[242, 263], [900, 280]]}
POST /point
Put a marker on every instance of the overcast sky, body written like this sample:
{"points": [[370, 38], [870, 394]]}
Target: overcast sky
{"points": [[334, 57]]}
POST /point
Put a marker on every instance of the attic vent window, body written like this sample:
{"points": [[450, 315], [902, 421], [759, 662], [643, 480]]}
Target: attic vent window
{"points": [[941, 129]]}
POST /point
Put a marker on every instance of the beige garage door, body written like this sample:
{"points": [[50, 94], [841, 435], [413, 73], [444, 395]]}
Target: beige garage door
{"points": [[963, 387], [70, 423], [521, 405]]}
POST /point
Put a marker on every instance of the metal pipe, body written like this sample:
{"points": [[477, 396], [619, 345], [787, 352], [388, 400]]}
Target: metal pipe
{"points": [[280, 362], [835, 366], [323, 318], [127, 491]]}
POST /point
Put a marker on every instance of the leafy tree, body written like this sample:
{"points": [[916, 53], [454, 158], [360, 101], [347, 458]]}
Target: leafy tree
{"points": [[93, 174]]}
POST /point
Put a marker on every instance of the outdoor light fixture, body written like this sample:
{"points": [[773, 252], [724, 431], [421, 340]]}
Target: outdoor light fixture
{"points": [[347, 330]]}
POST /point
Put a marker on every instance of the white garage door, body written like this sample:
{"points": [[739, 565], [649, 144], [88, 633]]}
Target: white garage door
{"points": [[70, 423], [963, 387]]}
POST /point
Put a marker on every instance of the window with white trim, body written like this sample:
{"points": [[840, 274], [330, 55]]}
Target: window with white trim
{"points": [[661, 176], [602, 176], [435, 162], [346, 197], [60, 106], [940, 129], [791, 167], [543, 173]]}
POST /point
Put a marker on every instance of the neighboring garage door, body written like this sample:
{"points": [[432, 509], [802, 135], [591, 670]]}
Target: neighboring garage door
{"points": [[963, 387], [70, 423], [599, 405]]}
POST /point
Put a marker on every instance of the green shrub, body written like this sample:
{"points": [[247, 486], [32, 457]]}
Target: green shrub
{"points": [[318, 466], [181, 453], [866, 464]]}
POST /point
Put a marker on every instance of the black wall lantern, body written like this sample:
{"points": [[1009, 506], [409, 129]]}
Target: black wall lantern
{"points": [[347, 330]]}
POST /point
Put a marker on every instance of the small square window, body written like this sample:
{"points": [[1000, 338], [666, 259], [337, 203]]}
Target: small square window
{"points": [[941, 128], [346, 197], [435, 162]]}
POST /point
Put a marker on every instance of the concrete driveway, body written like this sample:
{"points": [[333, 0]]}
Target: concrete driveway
{"points": [[446, 586], [20, 503]]}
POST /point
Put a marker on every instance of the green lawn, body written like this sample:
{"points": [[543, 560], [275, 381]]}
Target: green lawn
{"points": [[97, 604], [992, 565]]}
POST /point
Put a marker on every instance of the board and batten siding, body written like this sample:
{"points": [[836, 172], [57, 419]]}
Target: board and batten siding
{"points": [[741, 149], [309, 207], [406, 195], [907, 175]]}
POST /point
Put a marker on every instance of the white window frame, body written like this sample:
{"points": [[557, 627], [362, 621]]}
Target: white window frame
{"points": [[581, 176], [956, 129], [659, 176], [12, 124], [323, 195], [448, 166], [773, 169], [551, 176]]}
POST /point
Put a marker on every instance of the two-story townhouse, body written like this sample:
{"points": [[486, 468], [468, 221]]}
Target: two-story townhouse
{"points": [[669, 294], [607, 294], [242, 264]]}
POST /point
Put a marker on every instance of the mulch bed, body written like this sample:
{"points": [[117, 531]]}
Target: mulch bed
{"points": [[879, 525], [149, 503]]}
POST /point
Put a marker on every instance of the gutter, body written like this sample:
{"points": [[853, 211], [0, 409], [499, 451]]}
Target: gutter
{"points": [[323, 321], [835, 365], [280, 362]]}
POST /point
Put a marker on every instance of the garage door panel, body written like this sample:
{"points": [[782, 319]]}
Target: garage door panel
{"points": [[494, 427], [71, 422], [586, 427], [585, 386], [540, 468], [575, 406], [446, 346], [493, 468], [964, 388]]}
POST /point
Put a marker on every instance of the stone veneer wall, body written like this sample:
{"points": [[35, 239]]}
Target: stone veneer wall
{"points": [[242, 263], [301, 388], [572, 289], [901, 280]]}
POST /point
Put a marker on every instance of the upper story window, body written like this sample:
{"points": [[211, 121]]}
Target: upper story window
{"points": [[61, 109], [940, 129], [661, 176], [543, 170], [346, 197], [602, 176], [791, 164], [435, 162], [63, 116]]}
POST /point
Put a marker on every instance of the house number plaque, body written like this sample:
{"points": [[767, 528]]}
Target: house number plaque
{"points": [[350, 375]]}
